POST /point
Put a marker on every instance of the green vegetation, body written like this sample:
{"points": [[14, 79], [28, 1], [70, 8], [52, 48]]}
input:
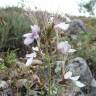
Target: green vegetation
{"points": [[10, 59], [13, 24]]}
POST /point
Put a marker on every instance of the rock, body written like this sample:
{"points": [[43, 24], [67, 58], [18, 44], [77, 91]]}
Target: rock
{"points": [[22, 64], [3, 75], [3, 84], [13, 73], [70, 91], [5, 90], [36, 62], [76, 26], [79, 67], [21, 82], [93, 83], [93, 92], [21, 85]]}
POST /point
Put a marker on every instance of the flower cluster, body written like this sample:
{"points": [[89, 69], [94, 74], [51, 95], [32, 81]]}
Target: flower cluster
{"points": [[63, 47], [29, 38]]}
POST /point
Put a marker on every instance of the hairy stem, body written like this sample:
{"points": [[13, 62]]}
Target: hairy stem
{"points": [[49, 69]]}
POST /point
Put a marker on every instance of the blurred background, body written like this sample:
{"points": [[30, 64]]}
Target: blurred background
{"points": [[59, 6]]}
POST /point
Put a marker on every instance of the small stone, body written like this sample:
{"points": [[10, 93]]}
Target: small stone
{"points": [[20, 83], [5, 90]]}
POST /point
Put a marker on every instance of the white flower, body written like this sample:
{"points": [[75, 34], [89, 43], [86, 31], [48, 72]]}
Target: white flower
{"points": [[31, 55], [79, 84], [65, 47], [74, 79], [35, 48], [62, 26], [29, 61], [30, 58]]}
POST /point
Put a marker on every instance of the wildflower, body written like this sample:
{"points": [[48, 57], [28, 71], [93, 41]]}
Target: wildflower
{"points": [[30, 37], [65, 47], [62, 26], [28, 41], [35, 28], [35, 48], [27, 35], [30, 58], [74, 79]]}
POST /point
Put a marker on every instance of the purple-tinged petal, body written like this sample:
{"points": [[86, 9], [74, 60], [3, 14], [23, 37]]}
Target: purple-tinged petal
{"points": [[62, 26], [35, 28], [27, 35], [28, 41], [35, 35], [63, 47]]}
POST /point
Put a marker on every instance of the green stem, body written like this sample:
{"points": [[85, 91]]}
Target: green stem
{"points": [[57, 35], [49, 70], [63, 65]]}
